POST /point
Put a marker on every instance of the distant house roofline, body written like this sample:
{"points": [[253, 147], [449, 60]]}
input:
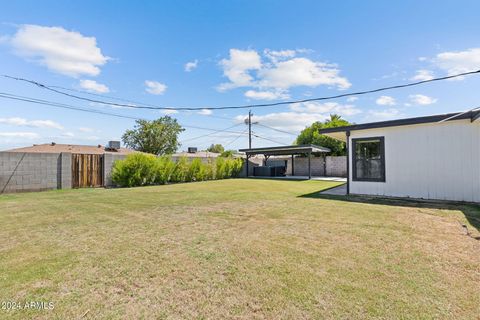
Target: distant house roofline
{"points": [[72, 148]]}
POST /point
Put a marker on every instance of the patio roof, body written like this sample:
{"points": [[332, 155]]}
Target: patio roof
{"points": [[286, 150]]}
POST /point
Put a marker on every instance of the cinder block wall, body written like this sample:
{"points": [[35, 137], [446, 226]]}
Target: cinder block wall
{"points": [[301, 166], [22, 172], [337, 166], [108, 161], [330, 166]]}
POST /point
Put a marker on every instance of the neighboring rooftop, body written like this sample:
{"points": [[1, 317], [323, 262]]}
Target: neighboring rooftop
{"points": [[72, 148], [197, 154]]}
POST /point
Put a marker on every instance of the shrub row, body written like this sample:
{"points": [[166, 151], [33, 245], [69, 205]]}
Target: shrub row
{"points": [[140, 169]]}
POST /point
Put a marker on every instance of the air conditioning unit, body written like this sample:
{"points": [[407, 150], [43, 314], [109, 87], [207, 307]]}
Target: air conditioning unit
{"points": [[113, 145], [192, 150]]}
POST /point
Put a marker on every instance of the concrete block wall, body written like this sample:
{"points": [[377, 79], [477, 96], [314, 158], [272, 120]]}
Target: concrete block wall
{"points": [[330, 166], [336, 166], [65, 171], [108, 161], [301, 166], [22, 172]]}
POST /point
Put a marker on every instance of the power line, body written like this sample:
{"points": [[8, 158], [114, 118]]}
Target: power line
{"points": [[61, 105], [272, 128], [411, 84], [70, 107], [214, 132], [271, 140], [236, 138]]}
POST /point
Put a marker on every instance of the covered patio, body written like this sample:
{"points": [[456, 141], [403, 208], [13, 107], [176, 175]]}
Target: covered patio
{"points": [[267, 152]]}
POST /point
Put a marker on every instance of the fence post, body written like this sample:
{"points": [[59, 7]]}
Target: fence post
{"points": [[65, 170]]}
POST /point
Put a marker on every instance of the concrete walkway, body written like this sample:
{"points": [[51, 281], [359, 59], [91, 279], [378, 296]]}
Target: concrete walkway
{"points": [[339, 179], [337, 191]]}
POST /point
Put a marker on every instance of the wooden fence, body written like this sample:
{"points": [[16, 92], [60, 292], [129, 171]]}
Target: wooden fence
{"points": [[87, 170]]}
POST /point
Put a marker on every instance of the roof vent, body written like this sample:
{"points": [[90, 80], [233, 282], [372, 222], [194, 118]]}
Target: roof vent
{"points": [[192, 150], [113, 145]]}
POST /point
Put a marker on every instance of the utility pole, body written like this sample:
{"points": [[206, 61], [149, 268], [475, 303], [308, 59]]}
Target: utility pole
{"points": [[249, 129]]}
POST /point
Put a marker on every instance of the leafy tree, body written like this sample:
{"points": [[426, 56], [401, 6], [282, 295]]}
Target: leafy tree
{"points": [[310, 135], [227, 154], [158, 137], [216, 148]]}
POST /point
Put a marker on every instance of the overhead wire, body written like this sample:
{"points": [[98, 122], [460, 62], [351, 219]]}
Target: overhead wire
{"points": [[214, 132], [83, 109], [275, 129], [357, 93], [236, 138]]}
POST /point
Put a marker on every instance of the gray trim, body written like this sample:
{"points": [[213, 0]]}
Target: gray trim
{"points": [[403, 122], [286, 150], [354, 159]]}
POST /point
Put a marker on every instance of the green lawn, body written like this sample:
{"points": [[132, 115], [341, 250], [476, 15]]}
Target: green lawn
{"points": [[236, 249]]}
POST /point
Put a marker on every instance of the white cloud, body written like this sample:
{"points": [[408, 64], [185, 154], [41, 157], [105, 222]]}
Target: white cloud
{"points": [[191, 65], [387, 114], [422, 75], [454, 62], [301, 72], [385, 101], [279, 55], [327, 107], [155, 87], [21, 122], [168, 111], [288, 121], [26, 135], [68, 134], [86, 129], [93, 138], [66, 52], [352, 99], [205, 112], [283, 70], [266, 95], [421, 99], [237, 68], [94, 86]]}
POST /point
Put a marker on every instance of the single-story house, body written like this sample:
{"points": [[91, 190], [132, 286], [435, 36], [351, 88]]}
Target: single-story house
{"points": [[432, 157]]}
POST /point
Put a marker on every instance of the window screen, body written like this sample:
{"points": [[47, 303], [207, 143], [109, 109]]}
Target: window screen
{"points": [[368, 159]]}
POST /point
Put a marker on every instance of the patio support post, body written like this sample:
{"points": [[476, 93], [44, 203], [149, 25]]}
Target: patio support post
{"points": [[293, 165], [309, 166], [246, 165], [348, 161]]}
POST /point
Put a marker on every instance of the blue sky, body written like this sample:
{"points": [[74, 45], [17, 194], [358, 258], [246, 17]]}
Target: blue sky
{"points": [[217, 53]]}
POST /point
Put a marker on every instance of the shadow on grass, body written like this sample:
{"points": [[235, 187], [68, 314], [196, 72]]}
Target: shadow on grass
{"points": [[471, 211]]}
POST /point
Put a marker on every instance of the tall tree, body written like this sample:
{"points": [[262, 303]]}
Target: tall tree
{"points": [[310, 135], [157, 136], [217, 148]]}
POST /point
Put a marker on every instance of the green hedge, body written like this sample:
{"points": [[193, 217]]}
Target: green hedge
{"points": [[140, 169]]}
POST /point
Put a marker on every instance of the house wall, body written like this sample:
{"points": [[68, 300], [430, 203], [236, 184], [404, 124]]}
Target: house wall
{"points": [[430, 161]]}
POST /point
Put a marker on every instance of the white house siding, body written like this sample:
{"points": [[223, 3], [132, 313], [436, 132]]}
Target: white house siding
{"points": [[430, 161]]}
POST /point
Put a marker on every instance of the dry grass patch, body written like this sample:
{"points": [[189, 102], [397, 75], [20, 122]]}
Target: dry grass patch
{"points": [[236, 249]]}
